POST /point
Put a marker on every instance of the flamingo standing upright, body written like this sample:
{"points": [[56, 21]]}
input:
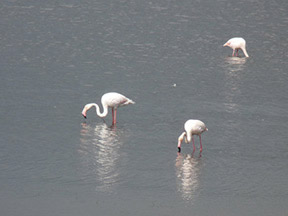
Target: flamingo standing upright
{"points": [[112, 100], [236, 44], [192, 127]]}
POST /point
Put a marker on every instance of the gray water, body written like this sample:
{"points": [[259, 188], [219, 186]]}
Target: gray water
{"points": [[167, 56]]}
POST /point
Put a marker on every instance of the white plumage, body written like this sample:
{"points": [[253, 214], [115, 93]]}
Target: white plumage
{"points": [[192, 127], [112, 100], [236, 44]]}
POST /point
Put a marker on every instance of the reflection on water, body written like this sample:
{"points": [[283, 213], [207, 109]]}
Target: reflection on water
{"points": [[233, 68], [99, 153], [235, 63], [187, 172]]}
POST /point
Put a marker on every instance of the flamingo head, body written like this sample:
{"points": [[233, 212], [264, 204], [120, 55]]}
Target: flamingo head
{"points": [[86, 108], [227, 44], [84, 111], [180, 139], [84, 114]]}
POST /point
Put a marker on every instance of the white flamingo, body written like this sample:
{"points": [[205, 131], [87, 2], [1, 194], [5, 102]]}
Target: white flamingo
{"points": [[192, 127], [112, 100], [236, 44]]}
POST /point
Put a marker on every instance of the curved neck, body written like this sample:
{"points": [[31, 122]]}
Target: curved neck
{"points": [[245, 52], [182, 136], [189, 136], [105, 110]]}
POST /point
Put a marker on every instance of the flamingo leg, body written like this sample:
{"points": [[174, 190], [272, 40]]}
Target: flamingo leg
{"points": [[200, 143], [233, 52], [194, 148], [237, 50], [114, 116]]}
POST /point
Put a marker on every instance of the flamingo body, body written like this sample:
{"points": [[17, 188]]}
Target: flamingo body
{"points": [[236, 44], [111, 100], [192, 127]]}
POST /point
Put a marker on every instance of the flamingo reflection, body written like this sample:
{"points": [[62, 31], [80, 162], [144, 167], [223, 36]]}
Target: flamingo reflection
{"points": [[99, 152], [187, 172], [233, 78], [235, 64]]}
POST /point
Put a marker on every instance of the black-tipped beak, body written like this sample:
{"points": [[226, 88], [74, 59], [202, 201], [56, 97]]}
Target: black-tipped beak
{"points": [[84, 116], [179, 149]]}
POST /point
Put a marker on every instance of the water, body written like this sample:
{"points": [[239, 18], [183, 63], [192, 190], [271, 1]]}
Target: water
{"points": [[58, 56]]}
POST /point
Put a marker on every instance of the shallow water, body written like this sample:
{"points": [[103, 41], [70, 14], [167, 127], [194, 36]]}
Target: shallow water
{"points": [[168, 57]]}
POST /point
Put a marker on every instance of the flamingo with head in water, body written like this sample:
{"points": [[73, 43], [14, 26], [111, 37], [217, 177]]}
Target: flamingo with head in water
{"points": [[112, 100], [192, 127], [236, 44]]}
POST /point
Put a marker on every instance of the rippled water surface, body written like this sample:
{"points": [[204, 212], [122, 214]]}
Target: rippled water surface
{"points": [[167, 56]]}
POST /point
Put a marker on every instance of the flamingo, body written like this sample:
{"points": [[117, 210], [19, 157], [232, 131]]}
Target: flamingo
{"points": [[112, 100], [192, 127], [236, 44]]}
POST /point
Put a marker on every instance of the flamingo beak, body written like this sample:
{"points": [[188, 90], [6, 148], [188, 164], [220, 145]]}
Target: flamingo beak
{"points": [[84, 112]]}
